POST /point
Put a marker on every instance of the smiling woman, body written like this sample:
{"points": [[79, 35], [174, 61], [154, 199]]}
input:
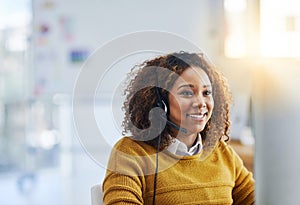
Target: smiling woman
{"points": [[177, 114]]}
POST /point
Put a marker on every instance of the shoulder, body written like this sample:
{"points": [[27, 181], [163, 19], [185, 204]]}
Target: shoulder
{"points": [[225, 148], [130, 157], [229, 153], [130, 146], [124, 141]]}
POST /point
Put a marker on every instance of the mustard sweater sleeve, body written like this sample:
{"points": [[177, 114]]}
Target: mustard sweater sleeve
{"points": [[124, 182], [122, 189], [243, 191]]}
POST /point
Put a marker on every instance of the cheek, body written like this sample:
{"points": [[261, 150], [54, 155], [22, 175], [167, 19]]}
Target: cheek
{"points": [[178, 108], [211, 105], [175, 106]]}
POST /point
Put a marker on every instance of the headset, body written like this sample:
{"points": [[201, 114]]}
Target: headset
{"points": [[163, 104]]}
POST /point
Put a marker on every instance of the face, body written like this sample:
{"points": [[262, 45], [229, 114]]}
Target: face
{"points": [[191, 101]]}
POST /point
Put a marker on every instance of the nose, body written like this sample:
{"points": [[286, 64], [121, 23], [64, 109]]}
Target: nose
{"points": [[199, 102]]}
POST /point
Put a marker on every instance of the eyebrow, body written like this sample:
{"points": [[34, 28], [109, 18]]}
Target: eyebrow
{"points": [[191, 86]]}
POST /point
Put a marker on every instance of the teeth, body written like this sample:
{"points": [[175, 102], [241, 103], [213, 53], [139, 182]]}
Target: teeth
{"points": [[196, 116]]}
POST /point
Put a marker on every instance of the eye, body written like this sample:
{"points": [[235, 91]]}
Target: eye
{"points": [[207, 92], [187, 93]]}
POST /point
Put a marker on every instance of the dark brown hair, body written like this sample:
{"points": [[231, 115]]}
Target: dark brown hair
{"points": [[141, 97]]}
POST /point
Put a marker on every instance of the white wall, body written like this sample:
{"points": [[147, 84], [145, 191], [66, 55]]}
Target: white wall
{"points": [[95, 22]]}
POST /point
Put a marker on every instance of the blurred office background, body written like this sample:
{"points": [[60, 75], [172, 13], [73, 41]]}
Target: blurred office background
{"points": [[44, 44]]}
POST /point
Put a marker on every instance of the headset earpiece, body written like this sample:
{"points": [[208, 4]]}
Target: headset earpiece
{"points": [[164, 107], [161, 103]]}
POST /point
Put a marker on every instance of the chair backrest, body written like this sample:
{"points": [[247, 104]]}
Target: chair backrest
{"points": [[96, 195]]}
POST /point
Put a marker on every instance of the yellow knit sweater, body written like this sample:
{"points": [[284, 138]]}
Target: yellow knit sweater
{"points": [[219, 179]]}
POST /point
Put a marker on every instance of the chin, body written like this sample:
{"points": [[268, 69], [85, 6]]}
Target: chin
{"points": [[200, 129], [196, 129]]}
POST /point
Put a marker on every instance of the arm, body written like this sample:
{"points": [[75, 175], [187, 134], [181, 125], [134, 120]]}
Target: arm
{"points": [[121, 189], [124, 182], [243, 191]]}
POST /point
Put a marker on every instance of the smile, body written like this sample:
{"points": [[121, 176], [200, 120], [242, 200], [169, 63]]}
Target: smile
{"points": [[197, 116]]}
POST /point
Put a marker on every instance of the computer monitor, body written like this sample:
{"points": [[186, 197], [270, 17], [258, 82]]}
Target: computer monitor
{"points": [[276, 124]]}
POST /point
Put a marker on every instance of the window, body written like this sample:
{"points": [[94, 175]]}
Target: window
{"points": [[280, 28], [266, 28]]}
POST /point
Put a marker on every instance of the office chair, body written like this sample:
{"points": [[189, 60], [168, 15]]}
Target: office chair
{"points": [[96, 194]]}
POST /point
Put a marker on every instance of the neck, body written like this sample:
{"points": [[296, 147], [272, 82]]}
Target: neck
{"points": [[187, 138]]}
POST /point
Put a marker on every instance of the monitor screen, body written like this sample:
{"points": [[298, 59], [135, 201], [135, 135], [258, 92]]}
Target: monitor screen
{"points": [[276, 123]]}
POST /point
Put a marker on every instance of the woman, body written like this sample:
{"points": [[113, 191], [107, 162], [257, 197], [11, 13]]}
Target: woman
{"points": [[177, 113]]}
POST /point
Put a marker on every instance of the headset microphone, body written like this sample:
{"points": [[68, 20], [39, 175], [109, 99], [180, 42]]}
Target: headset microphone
{"points": [[181, 129]]}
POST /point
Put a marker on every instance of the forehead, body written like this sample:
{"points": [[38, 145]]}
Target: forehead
{"points": [[193, 75]]}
